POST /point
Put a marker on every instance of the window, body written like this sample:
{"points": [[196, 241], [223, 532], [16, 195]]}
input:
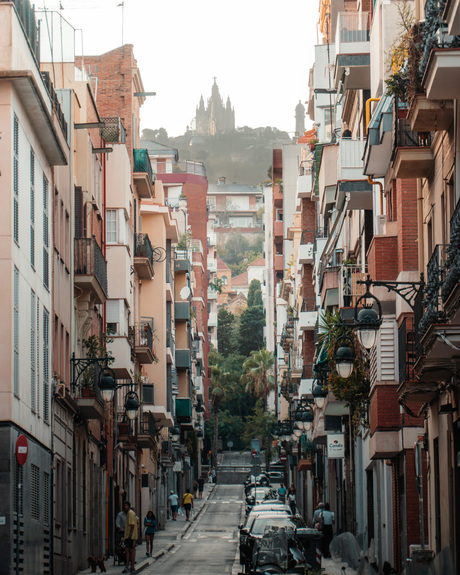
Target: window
{"points": [[32, 351], [111, 227], [46, 238], [16, 333], [32, 208], [16, 180], [34, 492], [224, 280]]}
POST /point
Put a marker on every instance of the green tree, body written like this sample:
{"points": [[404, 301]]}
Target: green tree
{"points": [[259, 426], [225, 326], [220, 386], [251, 331], [255, 294], [258, 373]]}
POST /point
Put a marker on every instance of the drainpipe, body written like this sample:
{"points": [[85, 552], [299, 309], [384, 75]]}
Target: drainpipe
{"points": [[368, 117]]}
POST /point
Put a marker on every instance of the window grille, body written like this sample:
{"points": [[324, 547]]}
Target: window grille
{"points": [[18, 487], [46, 367], [32, 208], [46, 498], [37, 356], [34, 492], [46, 266]]}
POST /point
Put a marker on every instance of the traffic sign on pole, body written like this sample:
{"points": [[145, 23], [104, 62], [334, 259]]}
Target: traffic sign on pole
{"points": [[22, 449]]}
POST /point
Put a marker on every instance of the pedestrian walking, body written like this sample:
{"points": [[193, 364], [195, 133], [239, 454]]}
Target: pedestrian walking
{"points": [[328, 522], [150, 525], [317, 513], [291, 499], [174, 504], [213, 474], [282, 493], [187, 500], [130, 538], [195, 488], [200, 487]]}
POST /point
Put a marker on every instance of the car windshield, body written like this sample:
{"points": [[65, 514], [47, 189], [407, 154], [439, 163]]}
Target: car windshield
{"points": [[263, 525]]}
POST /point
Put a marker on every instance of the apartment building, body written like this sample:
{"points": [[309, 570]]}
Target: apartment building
{"points": [[380, 173]]}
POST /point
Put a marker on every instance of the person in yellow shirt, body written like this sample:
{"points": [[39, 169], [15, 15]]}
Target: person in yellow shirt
{"points": [[187, 500], [130, 537]]}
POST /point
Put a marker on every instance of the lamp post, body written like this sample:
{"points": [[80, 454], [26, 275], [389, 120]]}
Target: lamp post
{"points": [[319, 393], [344, 355]]}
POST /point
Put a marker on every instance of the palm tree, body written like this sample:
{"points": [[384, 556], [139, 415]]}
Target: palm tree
{"points": [[257, 373]]}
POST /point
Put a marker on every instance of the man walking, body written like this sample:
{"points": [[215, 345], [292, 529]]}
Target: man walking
{"points": [[130, 538], [187, 500], [174, 503], [200, 487]]}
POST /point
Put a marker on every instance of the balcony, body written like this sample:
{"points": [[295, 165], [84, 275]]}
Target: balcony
{"points": [[305, 253], [142, 337], [304, 180], [90, 269], [451, 286], [146, 431], [442, 75], [379, 145], [278, 195], [350, 159], [183, 359], [143, 173], [143, 256], [349, 288], [352, 49], [212, 265], [279, 263], [278, 230], [430, 115], [184, 410], [413, 155], [170, 347], [212, 294], [113, 132], [308, 315], [182, 311], [452, 16], [181, 261], [435, 276], [90, 402], [212, 321], [121, 349]]}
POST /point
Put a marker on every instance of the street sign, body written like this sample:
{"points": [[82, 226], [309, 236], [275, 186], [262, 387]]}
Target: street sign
{"points": [[283, 458], [22, 449], [230, 444], [254, 453]]}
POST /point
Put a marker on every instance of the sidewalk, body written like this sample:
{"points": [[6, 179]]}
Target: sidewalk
{"points": [[164, 540]]}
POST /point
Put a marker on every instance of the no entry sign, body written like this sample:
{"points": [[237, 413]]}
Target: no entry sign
{"points": [[22, 449]]}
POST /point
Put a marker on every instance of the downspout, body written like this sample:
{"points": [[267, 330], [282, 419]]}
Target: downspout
{"points": [[372, 182]]}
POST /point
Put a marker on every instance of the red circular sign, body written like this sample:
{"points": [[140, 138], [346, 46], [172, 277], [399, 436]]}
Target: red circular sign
{"points": [[22, 449], [283, 457]]}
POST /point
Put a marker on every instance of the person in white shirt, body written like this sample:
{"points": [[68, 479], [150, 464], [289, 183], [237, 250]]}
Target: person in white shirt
{"points": [[174, 503]]}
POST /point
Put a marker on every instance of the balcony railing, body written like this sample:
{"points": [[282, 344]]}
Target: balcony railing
{"points": [[147, 424], [453, 256], [56, 104], [142, 163], [26, 14], [436, 273], [407, 139], [113, 131], [407, 350], [90, 261], [143, 247], [187, 167], [142, 335], [349, 286]]}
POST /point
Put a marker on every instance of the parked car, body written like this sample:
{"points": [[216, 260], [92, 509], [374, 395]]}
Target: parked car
{"points": [[276, 476], [258, 495], [262, 525]]}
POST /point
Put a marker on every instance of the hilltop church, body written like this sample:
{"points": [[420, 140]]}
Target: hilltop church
{"points": [[215, 118]]}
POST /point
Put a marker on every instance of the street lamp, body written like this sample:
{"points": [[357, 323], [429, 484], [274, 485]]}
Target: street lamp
{"points": [[175, 433], [344, 355], [319, 393], [367, 320], [131, 405]]}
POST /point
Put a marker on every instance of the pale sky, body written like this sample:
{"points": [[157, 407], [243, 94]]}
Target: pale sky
{"points": [[260, 51]]}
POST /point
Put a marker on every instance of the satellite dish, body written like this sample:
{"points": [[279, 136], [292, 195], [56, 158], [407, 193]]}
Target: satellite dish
{"points": [[184, 292]]}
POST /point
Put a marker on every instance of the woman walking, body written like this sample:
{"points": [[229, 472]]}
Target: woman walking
{"points": [[328, 521], [291, 499], [150, 524]]}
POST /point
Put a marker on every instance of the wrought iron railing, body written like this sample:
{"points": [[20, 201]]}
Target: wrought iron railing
{"points": [[90, 261], [453, 256], [147, 424], [143, 335], [55, 102], [142, 163], [113, 132], [435, 274], [26, 14], [143, 247], [349, 286], [405, 138]]}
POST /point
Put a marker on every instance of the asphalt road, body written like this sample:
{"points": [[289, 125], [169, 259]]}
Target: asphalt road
{"points": [[210, 546]]}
